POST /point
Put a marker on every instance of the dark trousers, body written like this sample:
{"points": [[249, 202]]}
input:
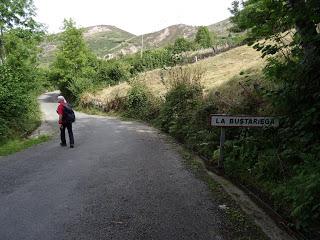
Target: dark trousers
{"points": [[63, 133]]}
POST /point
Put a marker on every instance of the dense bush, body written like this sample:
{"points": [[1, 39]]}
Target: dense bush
{"points": [[80, 85], [182, 99], [178, 108], [297, 98], [110, 72], [182, 45], [141, 103], [117, 71], [302, 192], [19, 112]]}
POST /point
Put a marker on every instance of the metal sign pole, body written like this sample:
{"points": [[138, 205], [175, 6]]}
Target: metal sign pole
{"points": [[222, 139]]}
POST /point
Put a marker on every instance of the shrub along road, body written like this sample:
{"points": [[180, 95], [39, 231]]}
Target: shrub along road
{"points": [[122, 180]]}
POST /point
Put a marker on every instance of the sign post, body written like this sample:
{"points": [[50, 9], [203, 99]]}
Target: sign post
{"points": [[224, 121], [222, 139]]}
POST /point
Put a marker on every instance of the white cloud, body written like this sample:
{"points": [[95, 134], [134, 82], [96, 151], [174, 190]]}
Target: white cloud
{"points": [[140, 16]]}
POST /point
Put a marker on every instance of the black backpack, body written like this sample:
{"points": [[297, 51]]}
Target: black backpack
{"points": [[68, 114]]}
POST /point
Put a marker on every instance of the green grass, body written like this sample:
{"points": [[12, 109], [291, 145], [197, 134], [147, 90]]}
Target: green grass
{"points": [[17, 145]]}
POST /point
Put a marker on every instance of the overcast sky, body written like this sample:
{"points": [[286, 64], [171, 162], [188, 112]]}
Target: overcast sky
{"points": [[135, 16]]}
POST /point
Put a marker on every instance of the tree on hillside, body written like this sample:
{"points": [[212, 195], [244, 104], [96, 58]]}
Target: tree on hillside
{"points": [[182, 45], [204, 37], [74, 64]]}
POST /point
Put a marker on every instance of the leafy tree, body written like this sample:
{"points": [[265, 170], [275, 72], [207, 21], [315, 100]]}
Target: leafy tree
{"points": [[15, 14], [204, 37], [235, 5], [75, 63], [182, 45]]}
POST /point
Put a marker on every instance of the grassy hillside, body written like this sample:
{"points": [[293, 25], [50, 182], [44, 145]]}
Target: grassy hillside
{"points": [[103, 38], [221, 28], [218, 70]]}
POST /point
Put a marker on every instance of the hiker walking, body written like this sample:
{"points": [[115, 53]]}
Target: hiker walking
{"points": [[66, 118]]}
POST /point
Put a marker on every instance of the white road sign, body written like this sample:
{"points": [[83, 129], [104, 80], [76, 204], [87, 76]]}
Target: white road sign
{"points": [[243, 121]]}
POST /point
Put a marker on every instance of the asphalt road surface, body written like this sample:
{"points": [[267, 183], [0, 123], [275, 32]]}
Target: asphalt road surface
{"points": [[122, 180]]}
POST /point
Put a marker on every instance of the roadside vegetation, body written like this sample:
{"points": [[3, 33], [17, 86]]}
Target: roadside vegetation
{"points": [[20, 80], [289, 155]]}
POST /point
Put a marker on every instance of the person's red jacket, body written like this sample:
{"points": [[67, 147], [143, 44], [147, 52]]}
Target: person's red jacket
{"points": [[60, 112]]}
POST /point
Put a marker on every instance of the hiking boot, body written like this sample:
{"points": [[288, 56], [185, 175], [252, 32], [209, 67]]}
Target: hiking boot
{"points": [[63, 144]]}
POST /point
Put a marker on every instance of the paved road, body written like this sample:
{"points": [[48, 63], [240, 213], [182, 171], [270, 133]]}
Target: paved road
{"points": [[122, 181]]}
